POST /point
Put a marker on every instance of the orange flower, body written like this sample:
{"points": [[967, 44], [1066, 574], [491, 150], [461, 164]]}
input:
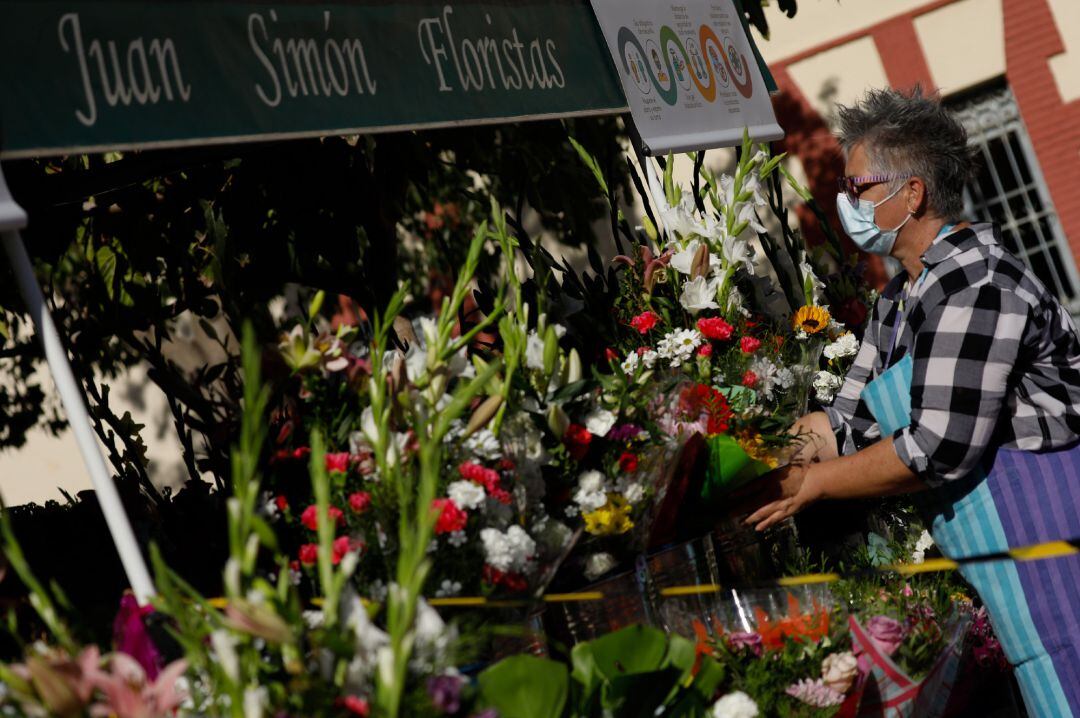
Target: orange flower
{"points": [[796, 626]]}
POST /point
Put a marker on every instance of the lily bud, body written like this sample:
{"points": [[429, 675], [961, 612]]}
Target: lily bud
{"points": [[649, 227], [699, 266], [257, 619], [316, 304], [483, 414], [557, 420], [574, 362], [551, 351]]}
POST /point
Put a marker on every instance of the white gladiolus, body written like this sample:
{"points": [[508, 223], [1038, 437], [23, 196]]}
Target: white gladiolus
{"points": [[534, 351], [699, 294]]}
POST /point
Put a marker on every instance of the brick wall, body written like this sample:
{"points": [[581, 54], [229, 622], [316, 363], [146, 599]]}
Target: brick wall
{"points": [[1031, 38]]}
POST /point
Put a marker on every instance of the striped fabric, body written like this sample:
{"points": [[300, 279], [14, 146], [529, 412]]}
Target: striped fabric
{"points": [[1025, 498], [889, 396]]}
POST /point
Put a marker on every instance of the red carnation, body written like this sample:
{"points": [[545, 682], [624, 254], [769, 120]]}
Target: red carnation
{"points": [[282, 503], [577, 439], [512, 582], [338, 461], [705, 350], [610, 355], [310, 516], [506, 465], [355, 705], [450, 518], [360, 501], [749, 379], [644, 321], [749, 345], [488, 478], [301, 452], [309, 554], [628, 462], [500, 495], [715, 328], [343, 545]]}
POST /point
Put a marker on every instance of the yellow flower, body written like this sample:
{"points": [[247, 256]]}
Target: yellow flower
{"points": [[611, 518], [811, 319], [755, 448]]}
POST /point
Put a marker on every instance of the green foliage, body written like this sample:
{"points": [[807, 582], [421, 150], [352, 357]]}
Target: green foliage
{"points": [[525, 687], [634, 671]]}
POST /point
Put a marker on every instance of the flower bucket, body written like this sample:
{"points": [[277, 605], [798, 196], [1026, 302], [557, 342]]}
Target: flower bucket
{"points": [[777, 614], [687, 565], [624, 603]]}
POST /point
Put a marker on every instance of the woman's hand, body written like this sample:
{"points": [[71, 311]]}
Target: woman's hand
{"points": [[780, 494]]}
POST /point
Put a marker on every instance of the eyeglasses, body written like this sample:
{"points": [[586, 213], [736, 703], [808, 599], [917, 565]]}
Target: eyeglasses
{"points": [[854, 186]]}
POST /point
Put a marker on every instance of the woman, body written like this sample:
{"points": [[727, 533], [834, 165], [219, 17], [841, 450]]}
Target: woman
{"points": [[966, 387]]}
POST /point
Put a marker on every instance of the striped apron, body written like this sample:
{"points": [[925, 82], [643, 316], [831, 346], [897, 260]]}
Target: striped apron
{"points": [[1018, 498]]}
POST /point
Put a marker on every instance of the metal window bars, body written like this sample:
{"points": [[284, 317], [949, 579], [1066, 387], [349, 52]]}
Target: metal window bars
{"points": [[1009, 189]]}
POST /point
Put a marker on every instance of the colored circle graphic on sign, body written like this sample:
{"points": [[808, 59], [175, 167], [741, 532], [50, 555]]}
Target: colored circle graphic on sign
{"points": [[634, 62], [706, 63]]}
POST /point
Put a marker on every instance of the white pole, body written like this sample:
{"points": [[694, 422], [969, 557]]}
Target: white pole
{"points": [[12, 219]]}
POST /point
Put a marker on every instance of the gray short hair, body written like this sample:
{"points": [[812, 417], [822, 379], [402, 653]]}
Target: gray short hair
{"points": [[909, 134]]}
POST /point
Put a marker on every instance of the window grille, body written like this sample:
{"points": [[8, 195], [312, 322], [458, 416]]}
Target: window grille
{"points": [[1008, 189]]}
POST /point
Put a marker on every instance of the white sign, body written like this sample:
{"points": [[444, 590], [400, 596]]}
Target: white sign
{"points": [[688, 72]]}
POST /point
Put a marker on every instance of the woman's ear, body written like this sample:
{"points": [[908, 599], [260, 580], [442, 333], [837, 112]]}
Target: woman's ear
{"points": [[916, 196]]}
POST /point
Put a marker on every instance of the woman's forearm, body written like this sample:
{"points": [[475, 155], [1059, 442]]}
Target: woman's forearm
{"points": [[819, 441], [874, 471]]}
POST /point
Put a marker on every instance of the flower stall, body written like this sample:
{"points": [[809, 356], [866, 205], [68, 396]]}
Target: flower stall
{"points": [[521, 500]]}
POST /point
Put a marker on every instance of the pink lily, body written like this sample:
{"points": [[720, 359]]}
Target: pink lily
{"points": [[128, 693]]}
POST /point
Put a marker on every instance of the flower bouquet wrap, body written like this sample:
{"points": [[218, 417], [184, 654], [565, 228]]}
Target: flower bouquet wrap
{"points": [[886, 688]]}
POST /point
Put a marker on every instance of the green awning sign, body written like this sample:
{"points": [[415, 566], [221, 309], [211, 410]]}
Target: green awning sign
{"points": [[90, 76]]}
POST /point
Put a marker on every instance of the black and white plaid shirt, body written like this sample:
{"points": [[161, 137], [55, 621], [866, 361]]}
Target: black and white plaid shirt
{"points": [[996, 361]]}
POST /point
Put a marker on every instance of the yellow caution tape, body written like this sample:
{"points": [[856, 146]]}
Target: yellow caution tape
{"points": [[1036, 552]]}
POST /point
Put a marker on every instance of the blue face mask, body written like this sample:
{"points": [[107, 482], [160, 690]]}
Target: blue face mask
{"points": [[861, 225]]}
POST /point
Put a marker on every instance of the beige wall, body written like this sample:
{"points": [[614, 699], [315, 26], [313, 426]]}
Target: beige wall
{"points": [[1066, 66], [964, 43], [820, 21]]}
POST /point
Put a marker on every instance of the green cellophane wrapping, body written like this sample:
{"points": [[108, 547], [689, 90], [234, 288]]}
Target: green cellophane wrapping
{"points": [[728, 467]]}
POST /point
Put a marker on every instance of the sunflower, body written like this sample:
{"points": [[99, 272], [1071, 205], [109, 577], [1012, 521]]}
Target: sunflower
{"points": [[811, 319]]}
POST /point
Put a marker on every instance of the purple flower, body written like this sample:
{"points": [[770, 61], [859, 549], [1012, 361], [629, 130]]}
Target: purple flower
{"points": [[746, 639], [623, 432], [130, 636], [445, 693]]}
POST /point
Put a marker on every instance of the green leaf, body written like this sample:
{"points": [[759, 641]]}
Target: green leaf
{"points": [[635, 649], [525, 687], [570, 391], [640, 693], [591, 163], [106, 262]]}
